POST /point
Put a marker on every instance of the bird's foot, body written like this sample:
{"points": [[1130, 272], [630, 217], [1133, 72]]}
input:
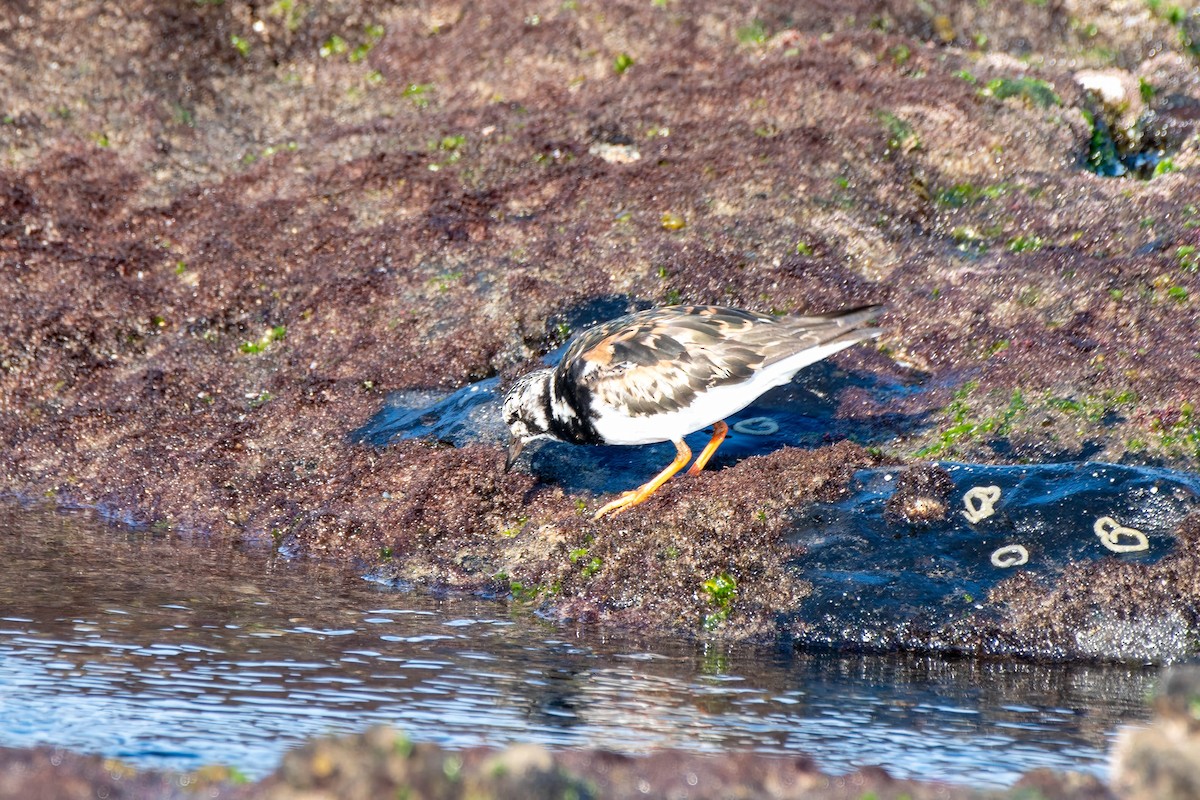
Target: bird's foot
{"points": [[627, 500], [630, 499]]}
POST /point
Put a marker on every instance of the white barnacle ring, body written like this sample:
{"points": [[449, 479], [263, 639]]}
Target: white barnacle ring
{"points": [[757, 426], [980, 502], [1011, 555], [1116, 537]]}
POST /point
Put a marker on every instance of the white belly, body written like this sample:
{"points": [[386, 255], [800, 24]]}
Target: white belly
{"points": [[711, 405]]}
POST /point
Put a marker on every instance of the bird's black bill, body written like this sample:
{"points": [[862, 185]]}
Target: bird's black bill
{"points": [[515, 446]]}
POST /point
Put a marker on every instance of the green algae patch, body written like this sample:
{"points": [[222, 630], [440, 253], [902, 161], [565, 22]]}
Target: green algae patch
{"points": [[274, 334], [720, 592], [966, 424], [901, 136], [1035, 91]]}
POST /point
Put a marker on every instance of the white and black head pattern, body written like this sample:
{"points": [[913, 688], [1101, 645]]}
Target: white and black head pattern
{"points": [[527, 406]]}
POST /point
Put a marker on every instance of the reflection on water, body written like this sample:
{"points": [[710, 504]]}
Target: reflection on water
{"points": [[173, 653]]}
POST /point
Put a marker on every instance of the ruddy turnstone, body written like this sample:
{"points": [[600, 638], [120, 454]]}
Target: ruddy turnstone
{"points": [[660, 374]]}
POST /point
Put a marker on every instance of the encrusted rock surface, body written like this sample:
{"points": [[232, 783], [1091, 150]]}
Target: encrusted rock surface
{"points": [[229, 229], [384, 763]]}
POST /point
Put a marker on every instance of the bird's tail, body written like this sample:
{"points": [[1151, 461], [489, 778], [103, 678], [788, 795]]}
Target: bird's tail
{"points": [[840, 327], [818, 335]]}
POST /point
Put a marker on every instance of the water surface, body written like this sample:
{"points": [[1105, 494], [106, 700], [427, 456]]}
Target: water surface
{"points": [[170, 652]]}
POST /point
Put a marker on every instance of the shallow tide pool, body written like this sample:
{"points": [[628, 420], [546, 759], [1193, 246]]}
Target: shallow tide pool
{"points": [[171, 652]]}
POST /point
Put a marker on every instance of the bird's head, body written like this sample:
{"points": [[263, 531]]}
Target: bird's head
{"points": [[527, 412]]}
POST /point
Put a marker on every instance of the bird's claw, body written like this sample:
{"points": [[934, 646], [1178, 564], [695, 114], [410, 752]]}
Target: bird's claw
{"points": [[627, 500]]}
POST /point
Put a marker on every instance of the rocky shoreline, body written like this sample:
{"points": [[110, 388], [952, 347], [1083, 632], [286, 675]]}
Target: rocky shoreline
{"points": [[230, 230], [383, 763]]}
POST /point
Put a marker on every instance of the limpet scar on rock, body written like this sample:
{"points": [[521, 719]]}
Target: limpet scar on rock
{"points": [[1116, 536], [986, 497], [1011, 555], [757, 426]]}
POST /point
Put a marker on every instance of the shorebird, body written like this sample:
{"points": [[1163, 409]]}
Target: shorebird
{"points": [[660, 374]]}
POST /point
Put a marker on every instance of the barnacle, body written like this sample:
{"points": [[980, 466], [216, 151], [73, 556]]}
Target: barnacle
{"points": [[1112, 533], [985, 497], [922, 509]]}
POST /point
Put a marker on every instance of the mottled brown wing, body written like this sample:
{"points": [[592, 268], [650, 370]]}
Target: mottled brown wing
{"points": [[658, 360]]}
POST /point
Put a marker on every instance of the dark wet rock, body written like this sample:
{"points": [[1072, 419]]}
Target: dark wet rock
{"points": [[956, 584], [1113, 608]]}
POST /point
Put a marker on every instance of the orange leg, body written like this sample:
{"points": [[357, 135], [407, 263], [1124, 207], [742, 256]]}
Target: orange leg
{"points": [[719, 431], [630, 499]]}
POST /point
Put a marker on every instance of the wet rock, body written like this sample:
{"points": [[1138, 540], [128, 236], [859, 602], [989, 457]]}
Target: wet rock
{"points": [[1063, 785], [1031, 577], [219, 268], [1162, 761], [921, 496], [48, 773], [383, 763]]}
